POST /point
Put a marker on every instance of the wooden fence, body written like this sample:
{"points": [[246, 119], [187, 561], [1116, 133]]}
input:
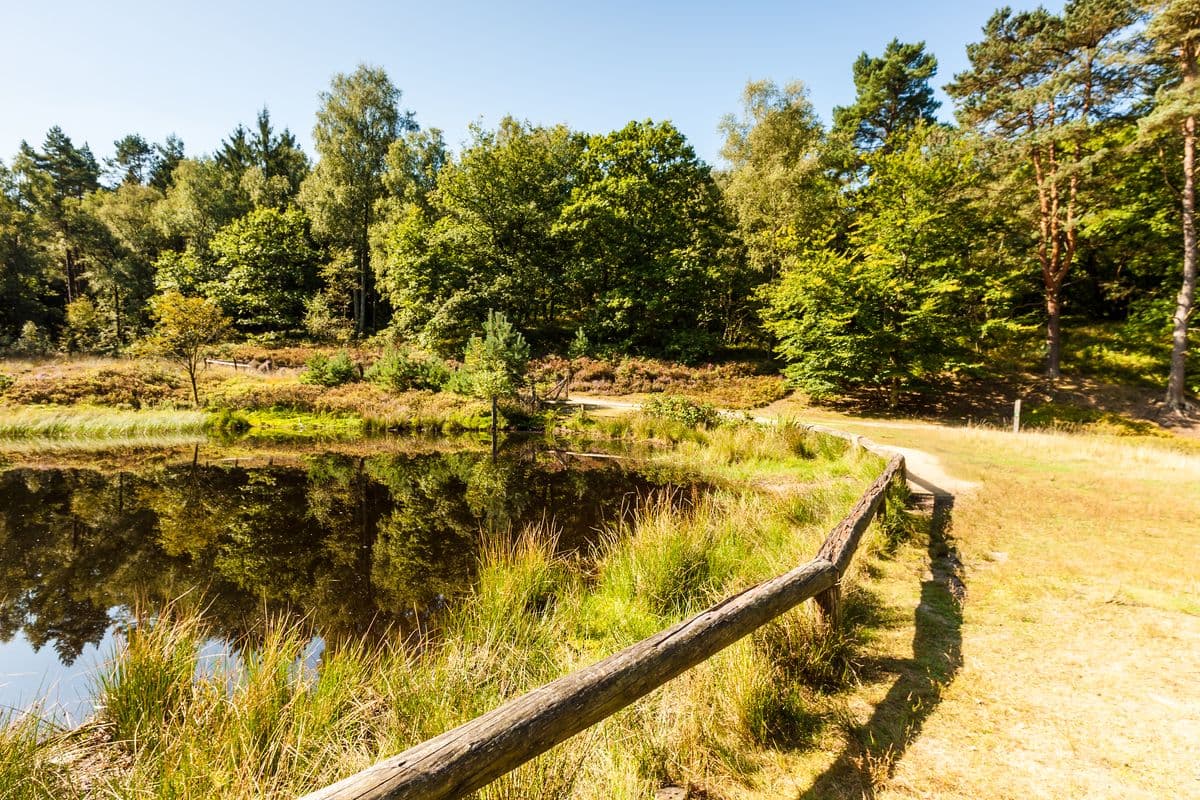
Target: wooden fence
{"points": [[472, 755]]}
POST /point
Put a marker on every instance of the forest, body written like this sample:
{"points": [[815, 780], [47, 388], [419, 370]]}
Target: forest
{"points": [[886, 249]]}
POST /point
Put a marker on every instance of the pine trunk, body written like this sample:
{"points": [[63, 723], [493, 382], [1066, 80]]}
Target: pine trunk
{"points": [[1183, 305], [1053, 334]]}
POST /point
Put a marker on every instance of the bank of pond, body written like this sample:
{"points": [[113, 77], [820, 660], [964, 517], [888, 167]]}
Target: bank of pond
{"points": [[257, 619]]}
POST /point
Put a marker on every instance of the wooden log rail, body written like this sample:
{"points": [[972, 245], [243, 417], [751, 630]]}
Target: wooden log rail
{"points": [[475, 753]]}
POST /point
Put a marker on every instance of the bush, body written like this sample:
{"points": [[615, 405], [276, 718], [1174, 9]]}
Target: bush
{"points": [[323, 323], [33, 341], [402, 371], [325, 371], [6, 381], [681, 409]]}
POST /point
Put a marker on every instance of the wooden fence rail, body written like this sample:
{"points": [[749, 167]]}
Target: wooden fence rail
{"points": [[472, 755]]}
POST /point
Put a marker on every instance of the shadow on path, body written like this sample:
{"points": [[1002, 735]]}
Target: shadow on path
{"points": [[875, 746]]}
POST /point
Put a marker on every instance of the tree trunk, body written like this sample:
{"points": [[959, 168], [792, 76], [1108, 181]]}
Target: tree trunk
{"points": [[1053, 334], [195, 393], [495, 446], [1183, 305], [117, 312], [70, 275]]}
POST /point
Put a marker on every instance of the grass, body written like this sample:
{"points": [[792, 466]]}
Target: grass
{"points": [[269, 725], [97, 398], [1069, 671], [96, 423]]}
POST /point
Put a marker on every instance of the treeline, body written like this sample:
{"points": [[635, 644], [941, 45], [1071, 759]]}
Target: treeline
{"points": [[882, 249]]}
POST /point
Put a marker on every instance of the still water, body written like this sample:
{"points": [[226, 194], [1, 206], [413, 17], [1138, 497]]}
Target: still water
{"points": [[353, 542]]}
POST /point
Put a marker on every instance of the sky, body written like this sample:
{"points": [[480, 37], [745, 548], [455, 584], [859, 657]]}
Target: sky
{"points": [[103, 69]]}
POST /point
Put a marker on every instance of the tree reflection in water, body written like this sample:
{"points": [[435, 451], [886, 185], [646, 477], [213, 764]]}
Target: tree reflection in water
{"points": [[350, 543]]}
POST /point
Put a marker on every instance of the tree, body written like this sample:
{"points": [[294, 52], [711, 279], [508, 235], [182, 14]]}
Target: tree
{"points": [[907, 298], [1038, 86], [484, 236], [185, 328], [781, 193], [120, 259], [268, 269], [133, 160], [202, 198], [496, 363], [269, 166], [651, 244], [1174, 37], [357, 122], [24, 278], [53, 182], [892, 95], [167, 158]]}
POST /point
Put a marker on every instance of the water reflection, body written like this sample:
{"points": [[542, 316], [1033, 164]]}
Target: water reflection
{"points": [[348, 541]]}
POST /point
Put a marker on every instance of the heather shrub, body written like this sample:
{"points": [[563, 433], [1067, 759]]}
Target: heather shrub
{"points": [[323, 370], [403, 370]]}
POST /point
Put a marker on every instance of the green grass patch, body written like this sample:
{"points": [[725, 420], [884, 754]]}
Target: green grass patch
{"points": [[1081, 419], [278, 425], [93, 423]]}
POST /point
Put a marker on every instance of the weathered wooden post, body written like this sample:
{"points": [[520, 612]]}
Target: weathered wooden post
{"points": [[1017, 416]]}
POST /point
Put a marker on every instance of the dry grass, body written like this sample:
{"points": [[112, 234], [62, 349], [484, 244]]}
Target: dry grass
{"points": [[1079, 639], [737, 384]]}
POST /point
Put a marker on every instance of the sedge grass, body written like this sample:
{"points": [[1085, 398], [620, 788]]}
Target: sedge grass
{"points": [[268, 727], [95, 423]]}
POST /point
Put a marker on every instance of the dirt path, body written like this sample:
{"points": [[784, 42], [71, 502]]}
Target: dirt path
{"points": [[1079, 666]]}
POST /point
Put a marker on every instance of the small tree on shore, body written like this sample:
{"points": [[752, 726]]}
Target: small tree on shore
{"points": [[185, 328], [496, 363]]}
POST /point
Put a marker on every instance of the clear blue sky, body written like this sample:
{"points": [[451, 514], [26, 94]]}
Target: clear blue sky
{"points": [[103, 69]]}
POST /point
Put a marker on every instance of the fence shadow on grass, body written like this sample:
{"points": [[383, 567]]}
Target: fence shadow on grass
{"points": [[874, 747]]}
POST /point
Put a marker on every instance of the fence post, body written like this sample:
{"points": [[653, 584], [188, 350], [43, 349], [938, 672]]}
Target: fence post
{"points": [[829, 606], [1017, 416]]}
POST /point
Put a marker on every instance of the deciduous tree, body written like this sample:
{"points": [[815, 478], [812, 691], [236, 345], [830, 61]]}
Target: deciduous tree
{"points": [[184, 330], [357, 122]]}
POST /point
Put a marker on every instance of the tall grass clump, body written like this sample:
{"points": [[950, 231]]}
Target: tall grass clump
{"points": [[96, 423], [33, 756], [149, 678]]}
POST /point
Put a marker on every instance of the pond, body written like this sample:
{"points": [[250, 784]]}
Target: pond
{"points": [[356, 541]]}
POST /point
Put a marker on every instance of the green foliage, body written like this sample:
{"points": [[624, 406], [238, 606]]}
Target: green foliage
{"points": [[654, 260], [906, 300], [269, 166], [580, 345], [486, 238], [268, 269], [495, 363], [893, 96], [778, 186], [402, 370], [185, 329], [357, 122], [33, 341], [6, 382], [323, 323], [323, 370], [681, 409], [84, 328]]}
